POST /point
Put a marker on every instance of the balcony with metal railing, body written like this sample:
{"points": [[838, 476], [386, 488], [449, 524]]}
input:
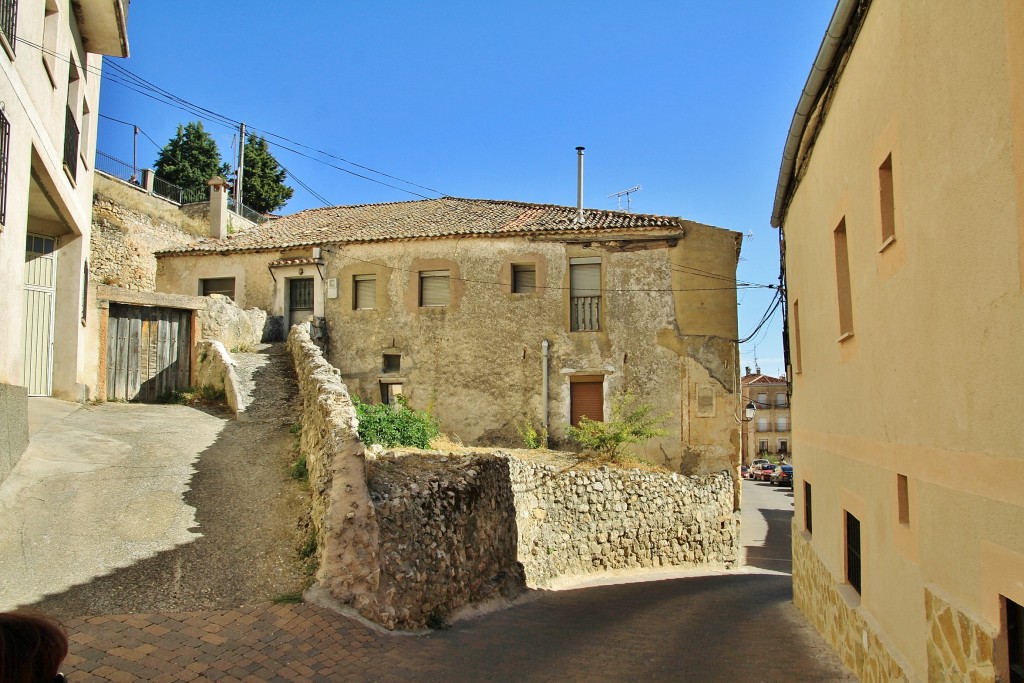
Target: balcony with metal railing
{"points": [[585, 313], [71, 136]]}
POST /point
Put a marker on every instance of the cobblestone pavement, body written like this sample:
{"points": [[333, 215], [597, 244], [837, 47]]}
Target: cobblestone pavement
{"points": [[737, 627]]}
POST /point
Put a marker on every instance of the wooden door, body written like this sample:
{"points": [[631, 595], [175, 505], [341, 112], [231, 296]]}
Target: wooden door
{"points": [[148, 352]]}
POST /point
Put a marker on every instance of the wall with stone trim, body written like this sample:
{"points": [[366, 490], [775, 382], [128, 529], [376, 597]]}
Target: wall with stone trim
{"points": [[843, 626], [215, 368], [959, 648], [575, 522]]}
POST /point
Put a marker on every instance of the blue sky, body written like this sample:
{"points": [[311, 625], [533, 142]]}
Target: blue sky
{"points": [[690, 100]]}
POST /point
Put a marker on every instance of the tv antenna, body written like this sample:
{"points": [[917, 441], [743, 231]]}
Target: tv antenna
{"points": [[625, 193]]}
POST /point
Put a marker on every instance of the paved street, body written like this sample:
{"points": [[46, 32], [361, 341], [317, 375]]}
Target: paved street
{"points": [[684, 626]]}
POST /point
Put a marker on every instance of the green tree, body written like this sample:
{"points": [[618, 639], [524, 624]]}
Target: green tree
{"points": [[190, 158], [630, 423], [263, 187]]}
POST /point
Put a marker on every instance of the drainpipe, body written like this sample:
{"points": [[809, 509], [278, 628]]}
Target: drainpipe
{"points": [[544, 389]]}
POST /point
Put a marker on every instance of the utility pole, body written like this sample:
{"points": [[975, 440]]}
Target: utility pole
{"points": [[241, 166], [135, 155]]}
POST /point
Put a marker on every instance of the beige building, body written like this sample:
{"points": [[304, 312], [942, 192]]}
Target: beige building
{"points": [[768, 431], [901, 200], [494, 314], [50, 60]]}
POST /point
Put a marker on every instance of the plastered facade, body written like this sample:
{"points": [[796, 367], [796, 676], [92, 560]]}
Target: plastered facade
{"points": [[45, 193], [477, 362], [906, 421]]}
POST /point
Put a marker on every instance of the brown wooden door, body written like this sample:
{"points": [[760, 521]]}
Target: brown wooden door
{"points": [[587, 398]]}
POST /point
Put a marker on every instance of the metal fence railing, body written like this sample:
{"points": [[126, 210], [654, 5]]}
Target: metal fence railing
{"points": [[117, 168], [162, 188]]}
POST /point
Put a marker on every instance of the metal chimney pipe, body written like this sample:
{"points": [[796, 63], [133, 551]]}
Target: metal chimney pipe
{"points": [[579, 184]]}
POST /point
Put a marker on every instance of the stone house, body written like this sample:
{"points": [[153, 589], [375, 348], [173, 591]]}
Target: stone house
{"points": [[769, 431], [51, 54], [494, 314], [901, 206]]}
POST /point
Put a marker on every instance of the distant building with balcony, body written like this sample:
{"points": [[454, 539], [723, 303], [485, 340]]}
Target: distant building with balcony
{"points": [[50, 61], [769, 432], [499, 313]]}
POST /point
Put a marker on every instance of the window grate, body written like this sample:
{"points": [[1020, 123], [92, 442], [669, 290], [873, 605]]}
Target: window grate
{"points": [[5, 142], [71, 143], [853, 575], [808, 508], [9, 20]]}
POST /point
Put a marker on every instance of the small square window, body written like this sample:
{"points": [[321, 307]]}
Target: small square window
{"points": [[524, 278], [217, 285], [392, 362], [902, 499]]}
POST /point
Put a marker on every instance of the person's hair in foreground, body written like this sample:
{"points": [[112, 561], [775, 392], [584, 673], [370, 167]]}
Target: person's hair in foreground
{"points": [[32, 647]]}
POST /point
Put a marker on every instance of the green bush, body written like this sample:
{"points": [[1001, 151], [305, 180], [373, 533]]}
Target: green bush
{"points": [[531, 437], [395, 425], [630, 423], [298, 470]]}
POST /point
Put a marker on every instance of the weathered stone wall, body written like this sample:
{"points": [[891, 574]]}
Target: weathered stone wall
{"points": [[574, 522], [842, 625], [128, 226], [959, 648], [215, 368], [236, 328], [447, 532], [343, 518], [410, 537]]}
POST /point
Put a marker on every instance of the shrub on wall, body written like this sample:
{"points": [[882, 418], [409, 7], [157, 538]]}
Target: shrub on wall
{"points": [[630, 423], [395, 425]]}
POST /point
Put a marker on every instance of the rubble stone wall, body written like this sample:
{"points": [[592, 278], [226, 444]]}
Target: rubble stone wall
{"points": [[575, 522], [410, 537], [959, 648], [343, 518], [225, 321], [447, 532], [215, 368]]}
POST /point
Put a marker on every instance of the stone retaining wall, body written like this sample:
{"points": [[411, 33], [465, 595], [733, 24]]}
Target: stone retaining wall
{"points": [[215, 368], [574, 522]]}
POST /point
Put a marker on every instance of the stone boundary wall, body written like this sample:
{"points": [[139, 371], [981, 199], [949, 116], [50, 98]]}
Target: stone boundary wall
{"points": [[576, 522], [216, 368], [343, 517], [448, 534], [409, 538], [843, 626]]}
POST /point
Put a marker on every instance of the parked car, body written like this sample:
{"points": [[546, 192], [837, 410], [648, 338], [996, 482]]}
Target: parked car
{"points": [[761, 471], [744, 472], [783, 474]]}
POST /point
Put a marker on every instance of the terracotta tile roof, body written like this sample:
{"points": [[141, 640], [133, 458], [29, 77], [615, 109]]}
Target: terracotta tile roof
{"points": [[762, 379], [296, 262], [430, 218]]}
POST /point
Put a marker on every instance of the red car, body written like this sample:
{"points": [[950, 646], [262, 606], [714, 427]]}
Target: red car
{"points": [[762, 471]]}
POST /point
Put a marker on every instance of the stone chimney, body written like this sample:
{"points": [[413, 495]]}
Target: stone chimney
{"points": [[747, 368], [218, 207]]}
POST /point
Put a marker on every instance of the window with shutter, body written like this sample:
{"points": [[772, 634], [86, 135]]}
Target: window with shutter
{"points": [[586, 398], [585, 294], [782, 424], [364, 292], [217, 285], [524, 278], [434, 288]]}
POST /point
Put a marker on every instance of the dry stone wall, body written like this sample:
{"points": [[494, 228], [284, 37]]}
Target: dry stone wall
{"points": [[215, 368], [574, 522], [409, 537]]}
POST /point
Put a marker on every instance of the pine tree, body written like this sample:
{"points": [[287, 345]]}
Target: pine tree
{"points": [[190, 158], [263, 187]]}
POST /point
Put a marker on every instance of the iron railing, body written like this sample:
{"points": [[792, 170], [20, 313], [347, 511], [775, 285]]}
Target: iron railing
{"points": [[178, 194], [585, 313], [5, 142], [246, 212], [9, 20], [117, 168], [71, 143]]}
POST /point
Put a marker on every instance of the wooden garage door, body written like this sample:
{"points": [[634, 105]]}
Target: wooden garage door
{"points": [[148, 352], [587, 398]]}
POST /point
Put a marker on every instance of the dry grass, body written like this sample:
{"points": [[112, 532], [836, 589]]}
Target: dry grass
{"points": [[157, 209]]}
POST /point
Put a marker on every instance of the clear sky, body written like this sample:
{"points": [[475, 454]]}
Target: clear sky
{"points": [[689, 99]]}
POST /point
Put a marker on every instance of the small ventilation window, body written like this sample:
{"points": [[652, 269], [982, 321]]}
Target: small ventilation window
{"points": [[392, 362]]}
